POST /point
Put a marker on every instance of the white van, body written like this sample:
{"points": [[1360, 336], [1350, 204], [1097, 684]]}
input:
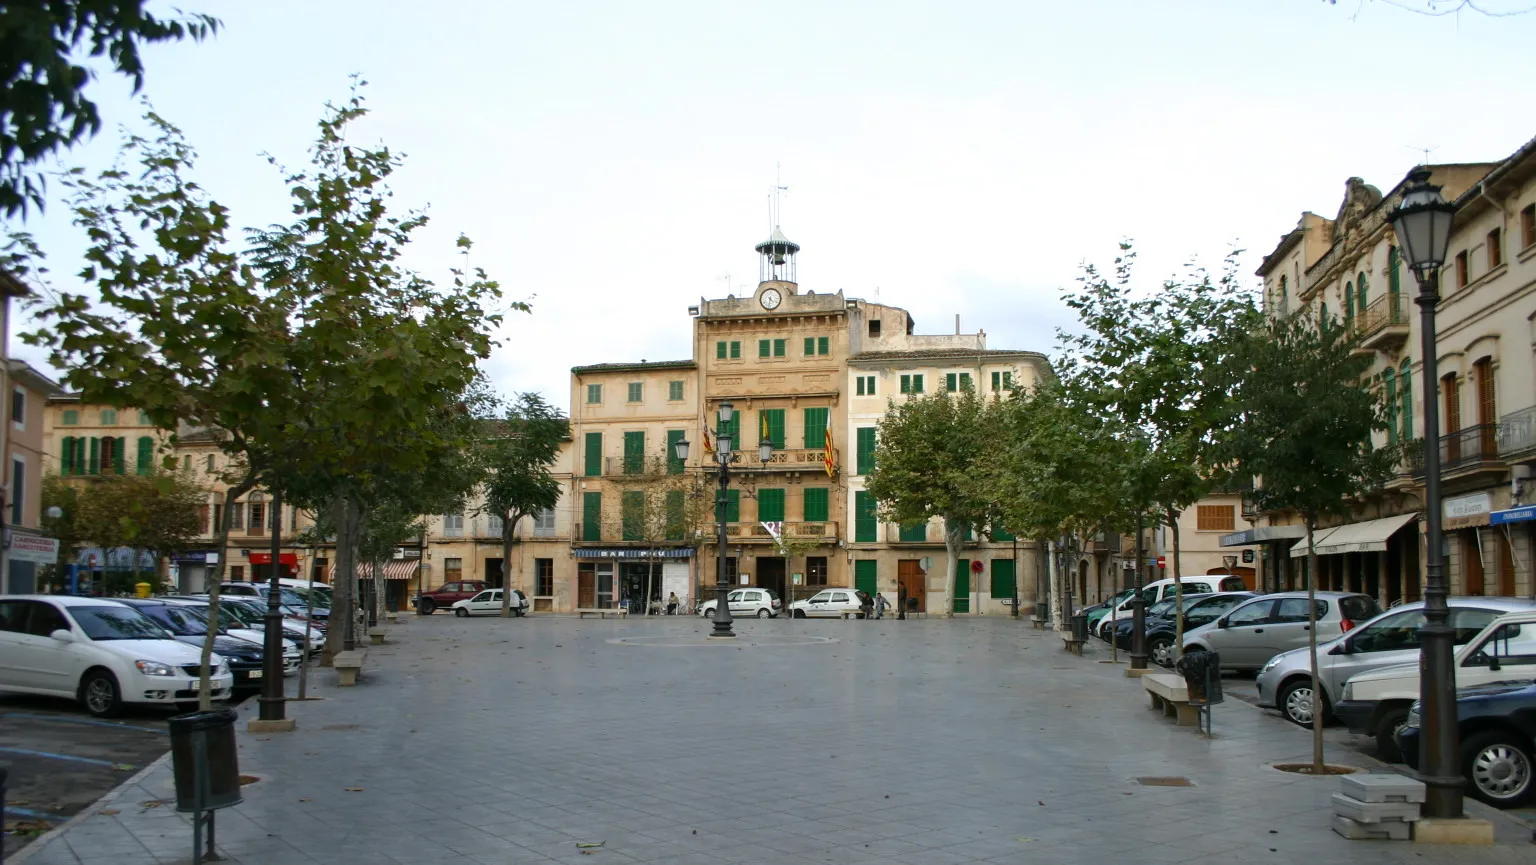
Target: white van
{"points": [[1194, 584]]}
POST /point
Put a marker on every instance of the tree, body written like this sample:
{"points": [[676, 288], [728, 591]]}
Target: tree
{"points": [[157, 513], [518, 454], [43, 106], [64, 495], [926, 458], [1304, 430]]}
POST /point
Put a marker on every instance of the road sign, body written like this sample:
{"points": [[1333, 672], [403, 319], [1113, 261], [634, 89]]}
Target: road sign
{"points": [[1162, 561]]}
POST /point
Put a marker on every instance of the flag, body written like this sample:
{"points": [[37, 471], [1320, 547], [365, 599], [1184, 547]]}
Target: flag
{"points": [[762, 421], [826, 457], [709, 441]]}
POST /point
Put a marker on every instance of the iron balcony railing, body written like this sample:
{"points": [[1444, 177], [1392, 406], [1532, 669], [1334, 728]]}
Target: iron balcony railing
{"points": [[1382, 312], [1517, 431], [1465, 447]]}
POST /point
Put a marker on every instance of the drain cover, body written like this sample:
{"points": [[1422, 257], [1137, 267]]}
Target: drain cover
{"points": [[339, 727], [1171, 781]]}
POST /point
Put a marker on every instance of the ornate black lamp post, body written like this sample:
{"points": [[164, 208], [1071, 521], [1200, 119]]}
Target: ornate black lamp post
{"points": [[271, 704], [1422, 224]]}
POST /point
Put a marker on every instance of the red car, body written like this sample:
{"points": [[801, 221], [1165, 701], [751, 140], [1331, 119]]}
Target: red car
{"points": [[447, 594]]}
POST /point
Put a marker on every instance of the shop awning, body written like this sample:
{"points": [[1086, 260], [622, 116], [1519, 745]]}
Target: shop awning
{"points": [[632, 553], [392, 570], [1513, 515], [1261, 534], [1367, 537]]}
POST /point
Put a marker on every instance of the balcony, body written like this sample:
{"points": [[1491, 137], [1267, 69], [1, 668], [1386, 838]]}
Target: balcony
{"points": [[1465, 451], [825, 530], [1383, 325], [1517, 434]]}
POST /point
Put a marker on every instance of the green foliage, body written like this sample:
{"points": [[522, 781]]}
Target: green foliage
{"points": [[43, 106], [158, 512]]}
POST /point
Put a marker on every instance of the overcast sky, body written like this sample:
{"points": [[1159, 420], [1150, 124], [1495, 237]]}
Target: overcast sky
{"points": [[612, 160]]}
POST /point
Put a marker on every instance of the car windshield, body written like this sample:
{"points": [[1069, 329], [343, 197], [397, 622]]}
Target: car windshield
{"points": [[243, 615], [1161, 608], [117, 623], [1358, 608], [179, 620]]}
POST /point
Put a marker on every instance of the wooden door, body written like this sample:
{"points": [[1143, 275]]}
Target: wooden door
{"points": [[912, 582], [1506, 566], [586, 587], [1471, 563]]}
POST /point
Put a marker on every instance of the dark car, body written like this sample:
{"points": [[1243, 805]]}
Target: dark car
{"points": [[1498, 741], [1161, 627], [448, 594], [290, 600], [186, 626]]}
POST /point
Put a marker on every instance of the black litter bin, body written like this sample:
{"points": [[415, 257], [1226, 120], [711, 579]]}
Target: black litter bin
{"points": [[1202, 675], [212, 733], [1080, 627]]}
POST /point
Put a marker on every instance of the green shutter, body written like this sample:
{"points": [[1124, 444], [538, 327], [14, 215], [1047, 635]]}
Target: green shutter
{"points": [[962, 599], [865, 463], [594, 393], [823, 345], [780, 347], [965, 381], [591, 516], [771, 422], [917, 384], [810, 345], [735, 349], [1405, 389], [636, 392], [732, 429], [674, 391], [1002, 578], [1389, 376], [1349, 303], [997, 381], [915, 533], [675, 515], [816, 427], [71, 417], [733, 506], [720, 351], [1003, 535], [864, 522], [634, 453], [770, 505], [67, 456], [815, 505], [866, 576], [764, 347], [594, 455], [146, 455], [674, 465], [633, 515], [1362, 293], [949, 382], [1394, 284], [859, 385], [906, 384], [94, 466], [119, 445]]}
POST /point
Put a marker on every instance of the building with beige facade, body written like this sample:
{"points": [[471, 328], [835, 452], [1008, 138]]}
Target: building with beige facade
{"points": [[26, 544], [1347, 271]]}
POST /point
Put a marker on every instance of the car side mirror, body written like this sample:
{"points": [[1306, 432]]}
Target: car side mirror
{"points": [[1493, 663], [1340, 649], [63, 636], [1221, 623]]}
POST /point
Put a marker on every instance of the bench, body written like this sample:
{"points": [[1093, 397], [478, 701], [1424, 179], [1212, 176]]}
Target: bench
{"points": [[394, 618], [601, 612], [348, 665], [376, 635], [1072, 644], [1171, 695]]}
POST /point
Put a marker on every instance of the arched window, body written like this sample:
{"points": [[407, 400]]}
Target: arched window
{"points": [[1349, 303], [1362, 293], [1405, 399], [1389, 384]]}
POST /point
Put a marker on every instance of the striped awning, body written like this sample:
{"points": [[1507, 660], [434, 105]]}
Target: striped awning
{"points": [[392, 570]]}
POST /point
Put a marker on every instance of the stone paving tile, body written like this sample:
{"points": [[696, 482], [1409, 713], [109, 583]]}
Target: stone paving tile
{"points": [[903, 742]]}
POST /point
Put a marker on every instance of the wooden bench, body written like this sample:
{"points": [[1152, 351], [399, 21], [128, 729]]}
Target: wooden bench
{"points": [[348, 665], [601, 612], [376, 635], [1072, 644], [1170, 694]]}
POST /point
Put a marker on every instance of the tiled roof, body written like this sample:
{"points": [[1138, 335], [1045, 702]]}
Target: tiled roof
{"points": [[652, 364]]}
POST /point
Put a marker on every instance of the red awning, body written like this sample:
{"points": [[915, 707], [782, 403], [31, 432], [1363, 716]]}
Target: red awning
{"points": [[266, 558], [393, 570]]}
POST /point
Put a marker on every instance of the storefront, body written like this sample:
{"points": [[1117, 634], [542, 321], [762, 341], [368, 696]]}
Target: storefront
{"points": [[1516, 528], [609, 576], [192, 570], [1271, 575], [1376, 557]]}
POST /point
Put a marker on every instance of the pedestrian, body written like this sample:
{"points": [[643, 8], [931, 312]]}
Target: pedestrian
{"points": [[901, 601], [880, 605], [867, 604], [671, 603]]}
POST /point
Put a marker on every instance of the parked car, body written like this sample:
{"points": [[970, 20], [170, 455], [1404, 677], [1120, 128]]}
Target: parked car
{"points": [[305, 589], [1377, 703], [191, 627], [251, 614], [1162, 629], [831, 603], [447, 595], [98, 651], [1498, 741], [1259, 629], [251, 629], [488, 603], [287, 597], [1097, 612], [762, 603], [1285, 683], [1160, 590]]}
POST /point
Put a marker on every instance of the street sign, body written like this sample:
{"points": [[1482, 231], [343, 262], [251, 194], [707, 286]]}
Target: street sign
{"points": [[1162, 561]]}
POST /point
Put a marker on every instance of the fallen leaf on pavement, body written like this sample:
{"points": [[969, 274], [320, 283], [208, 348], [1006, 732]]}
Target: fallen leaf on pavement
{"points": [[122, 767], [590, 843], [354, 789], [110, 812]]}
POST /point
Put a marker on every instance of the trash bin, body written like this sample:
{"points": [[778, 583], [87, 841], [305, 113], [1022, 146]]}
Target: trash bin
{"points": [[214, 731], [1202, 675], [143, 590], [1080, 627]]}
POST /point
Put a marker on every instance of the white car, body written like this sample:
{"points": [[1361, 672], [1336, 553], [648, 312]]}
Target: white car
{"points": [[488, 603], [99, 652], [252, 612], [237, 621], [1162, 590], [830, 604], [762, 603]]}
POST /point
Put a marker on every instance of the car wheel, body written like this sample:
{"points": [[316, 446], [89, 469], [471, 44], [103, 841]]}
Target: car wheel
{"points": [[100, 694], [461, 612], [428, 606], [1386, 729], [1498, 768], [762, 614], [799, 614], [1160, 650], [1296, 702]]}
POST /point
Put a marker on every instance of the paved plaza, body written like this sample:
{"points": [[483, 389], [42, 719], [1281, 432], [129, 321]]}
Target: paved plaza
{"points": [[973, 740]]}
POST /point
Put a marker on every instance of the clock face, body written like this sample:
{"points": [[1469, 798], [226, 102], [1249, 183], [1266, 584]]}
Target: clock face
{"points": [[771, 298]]}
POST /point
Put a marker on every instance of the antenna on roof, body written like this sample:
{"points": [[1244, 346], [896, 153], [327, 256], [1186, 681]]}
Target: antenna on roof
{"points": [[1425, 150], [773, 207]]}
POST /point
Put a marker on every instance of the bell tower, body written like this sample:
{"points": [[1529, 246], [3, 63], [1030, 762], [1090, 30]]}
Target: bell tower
{"points": [[776, 260]]}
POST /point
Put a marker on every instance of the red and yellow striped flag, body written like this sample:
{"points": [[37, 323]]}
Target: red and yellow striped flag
{"points": [[826, 456]]}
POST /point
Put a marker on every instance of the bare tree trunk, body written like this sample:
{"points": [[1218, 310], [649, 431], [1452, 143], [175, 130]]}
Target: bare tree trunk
{"points": [[1317, 691], [508, 526], [1178, 589], [1054, 591], [951, 552], [341, 635], [650, 580], [204, 698]]}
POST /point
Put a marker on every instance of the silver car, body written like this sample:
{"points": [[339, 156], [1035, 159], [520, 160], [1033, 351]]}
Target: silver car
{"points": [[1264, 627], [1285, 683]]}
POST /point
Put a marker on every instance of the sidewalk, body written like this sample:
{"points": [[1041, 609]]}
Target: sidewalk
{"points": [[932, 741]]}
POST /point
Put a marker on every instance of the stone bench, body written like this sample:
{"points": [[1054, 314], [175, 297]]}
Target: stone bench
{"points": [[348, 665], [601, 612], [376, 635], [1171, 695], [1073, 645]]}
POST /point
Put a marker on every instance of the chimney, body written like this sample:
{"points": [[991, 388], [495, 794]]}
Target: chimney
{"points": [[957, 324]]}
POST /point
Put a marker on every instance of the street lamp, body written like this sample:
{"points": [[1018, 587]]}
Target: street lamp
{"points": [[1138, 609], [272, 705], [1422, 223]]}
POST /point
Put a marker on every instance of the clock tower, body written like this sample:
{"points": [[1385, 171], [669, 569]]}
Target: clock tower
{"points": [[776, 270]]}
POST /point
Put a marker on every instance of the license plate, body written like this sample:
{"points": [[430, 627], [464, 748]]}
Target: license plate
{"points": [[254, 674], [196, 685]]}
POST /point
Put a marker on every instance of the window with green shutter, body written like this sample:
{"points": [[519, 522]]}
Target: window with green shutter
{"points": [[858, 384], [674, 391], [1002, 579], [815, 505], [866, 576], [674, 465], [865, 462], [770, 505], [912, 384], [770, 422], [823, 345], [94, 466], [633, 515], [950, 382], [145, 463], [144, 418], [765, 348], [732, 429], [80, 459], [720, 350], [594, 455], [67, 457], [1003, 535], [1002, 380], [675, 526], [735, 349], [917, 384], [816, 427], [906, 384], [591, 516], [965, 381], [962, 599], [71, 417], [634, 453], [915, 533], [636, 391], [109, 417], [119, 452], [810, 345], [865, 526], [733, 506], [594, 394], [780, 347]]}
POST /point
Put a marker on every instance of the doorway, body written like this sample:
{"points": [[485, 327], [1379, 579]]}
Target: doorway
{"points": [[594, 585], [1472, 563], [770, 574], [493, 574], [912, 583], [962, 600]]}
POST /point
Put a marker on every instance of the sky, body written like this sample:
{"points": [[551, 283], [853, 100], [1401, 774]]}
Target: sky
{"points": [[613, 161]]}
